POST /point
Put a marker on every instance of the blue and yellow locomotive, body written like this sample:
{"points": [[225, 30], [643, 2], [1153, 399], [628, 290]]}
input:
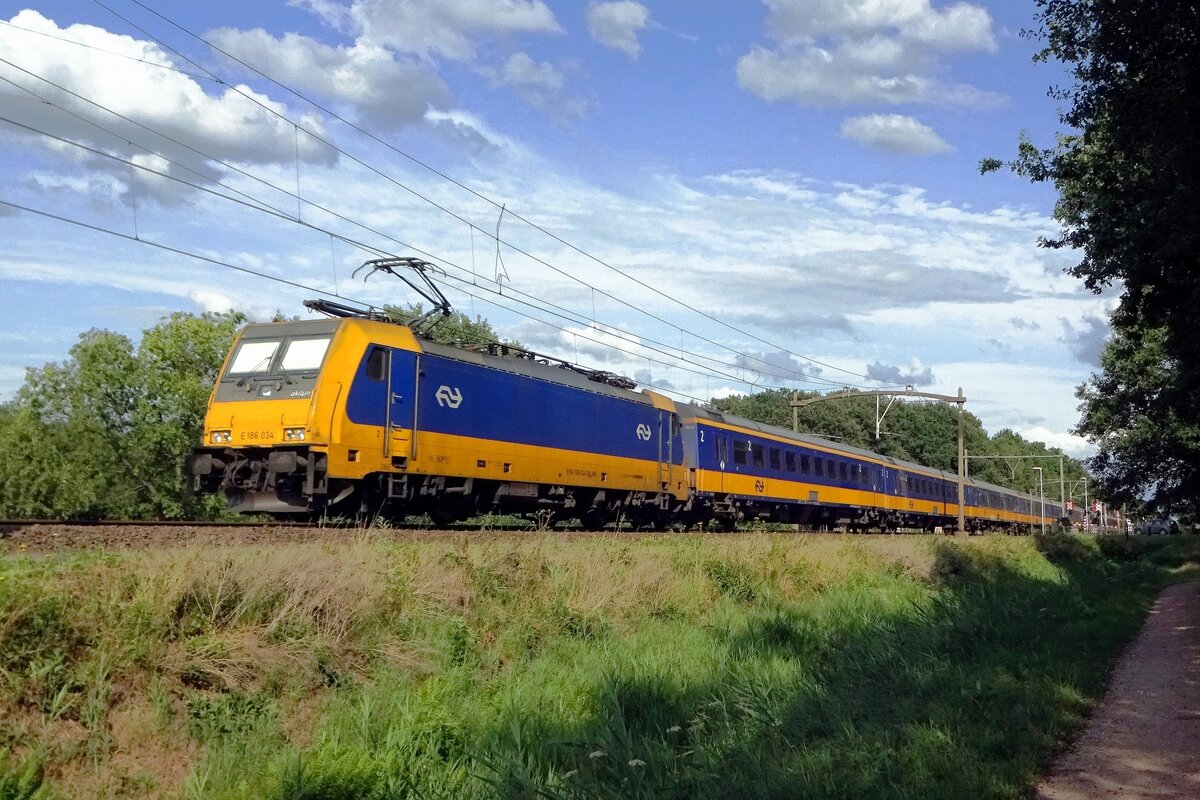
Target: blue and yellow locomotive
{"points": [[357, 415]]}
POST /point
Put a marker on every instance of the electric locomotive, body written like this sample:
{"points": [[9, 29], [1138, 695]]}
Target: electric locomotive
{"points": [[357, 415]]}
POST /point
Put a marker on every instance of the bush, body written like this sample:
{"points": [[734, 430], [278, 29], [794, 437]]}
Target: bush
{"points": [[1061, 548], [1122, 548]]}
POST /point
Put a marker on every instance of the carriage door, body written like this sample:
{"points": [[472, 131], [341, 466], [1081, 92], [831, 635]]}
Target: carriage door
{"points": [[402, 381], [722, 445]]}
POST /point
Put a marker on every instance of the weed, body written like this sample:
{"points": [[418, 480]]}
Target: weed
{"points": [[214, 718], [732, 579], [22, 780], [1062, 548]]}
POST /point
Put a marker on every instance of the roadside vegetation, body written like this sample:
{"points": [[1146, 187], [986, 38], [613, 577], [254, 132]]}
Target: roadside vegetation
{"points": [[562, 667]]}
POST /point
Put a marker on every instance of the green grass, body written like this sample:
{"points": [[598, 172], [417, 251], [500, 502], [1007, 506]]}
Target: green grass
{"points": [[550, 666]]}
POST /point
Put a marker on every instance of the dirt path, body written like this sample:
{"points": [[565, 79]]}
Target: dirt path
{"points": [[1144, 740]]}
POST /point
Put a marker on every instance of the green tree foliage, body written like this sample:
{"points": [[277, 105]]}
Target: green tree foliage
{"points": [[922, 432], [104, 433], [1129, 196]]}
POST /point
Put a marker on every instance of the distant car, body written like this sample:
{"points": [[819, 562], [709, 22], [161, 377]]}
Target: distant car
{"points": [[1157, 526]]}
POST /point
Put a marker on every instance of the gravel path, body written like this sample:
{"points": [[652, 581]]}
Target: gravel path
{"points": [[1144, 740]]}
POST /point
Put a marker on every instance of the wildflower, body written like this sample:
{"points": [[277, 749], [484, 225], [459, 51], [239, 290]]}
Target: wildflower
{"points": [[674, 729], [597, 754], [636, 762]]}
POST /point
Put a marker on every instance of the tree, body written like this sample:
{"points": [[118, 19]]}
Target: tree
{"points": [[104, 433], [1129, 197]]}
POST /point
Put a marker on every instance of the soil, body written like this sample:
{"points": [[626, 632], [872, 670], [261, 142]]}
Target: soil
{"points": [[1144, 739]]}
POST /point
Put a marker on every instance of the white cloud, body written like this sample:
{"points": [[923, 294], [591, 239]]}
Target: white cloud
{"points": [[540, 84], [617, 24], [894, 133], [423, 33], [521, 70], [1069, 443], [228, 125], [382, 88], [440, 27], [916, 374], [216, 302], [834, 52]]}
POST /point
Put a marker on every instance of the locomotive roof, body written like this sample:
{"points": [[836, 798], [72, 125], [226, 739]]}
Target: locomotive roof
{"points": [[533, 368]]}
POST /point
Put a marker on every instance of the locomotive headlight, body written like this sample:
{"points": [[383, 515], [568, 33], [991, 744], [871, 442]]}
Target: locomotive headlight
{"points": [[294, 434], [220, 437]]}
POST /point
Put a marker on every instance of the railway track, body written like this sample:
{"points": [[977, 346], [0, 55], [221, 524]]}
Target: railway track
{"points": [[47, 535]]}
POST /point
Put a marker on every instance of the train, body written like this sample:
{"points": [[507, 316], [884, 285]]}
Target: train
{"points": [[356, 415]]}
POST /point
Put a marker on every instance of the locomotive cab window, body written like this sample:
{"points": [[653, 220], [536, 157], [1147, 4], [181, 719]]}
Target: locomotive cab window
{"points": [[304, 355], [253, 355]]}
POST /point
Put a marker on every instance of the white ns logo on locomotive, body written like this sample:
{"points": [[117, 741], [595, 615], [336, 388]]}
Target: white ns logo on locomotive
{"points": [[447, 396], [643, 432]]}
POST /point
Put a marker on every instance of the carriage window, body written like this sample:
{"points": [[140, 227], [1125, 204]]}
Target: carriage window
{"points": [[739, 451], [377, 364], [843, 472], [774, 454], [756, 454], [830, 469], [789, 460], [805, 464], [820, 465]]}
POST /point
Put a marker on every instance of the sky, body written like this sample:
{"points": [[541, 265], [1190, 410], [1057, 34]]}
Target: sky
{"points": [[710, 198]]}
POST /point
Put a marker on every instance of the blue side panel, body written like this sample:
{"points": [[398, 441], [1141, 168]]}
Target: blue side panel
{"points": [[707, 459], [366, 402], [465, 399]]}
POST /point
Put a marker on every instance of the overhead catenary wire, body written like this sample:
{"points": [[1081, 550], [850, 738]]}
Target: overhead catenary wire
{"points": [[308, 287], [283, 216], [333, 114], [259, 204]]}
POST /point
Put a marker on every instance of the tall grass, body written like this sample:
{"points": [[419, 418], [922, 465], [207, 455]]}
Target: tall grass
{"points": [[561, 667]]}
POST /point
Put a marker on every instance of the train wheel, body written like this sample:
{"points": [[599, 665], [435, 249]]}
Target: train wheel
{"points": [[594, 519]]}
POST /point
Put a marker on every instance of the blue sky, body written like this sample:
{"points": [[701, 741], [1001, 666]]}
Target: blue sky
{"points": [[788, 190]]}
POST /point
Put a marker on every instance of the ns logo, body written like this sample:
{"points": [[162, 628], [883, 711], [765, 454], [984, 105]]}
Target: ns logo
{"points": [[448, 397], [643, 432]]}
